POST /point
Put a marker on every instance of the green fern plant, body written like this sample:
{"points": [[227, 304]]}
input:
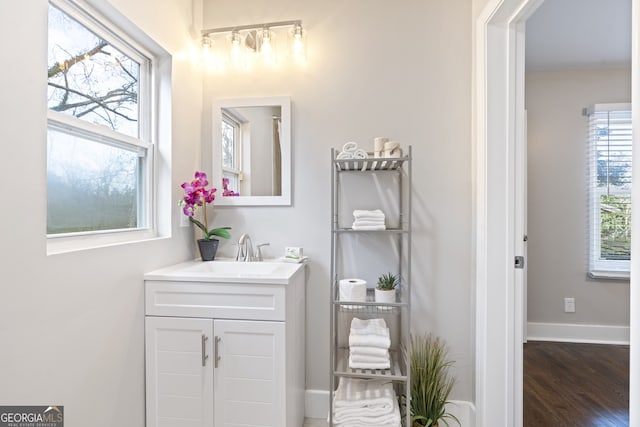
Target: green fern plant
{"points": [[431, 383]]}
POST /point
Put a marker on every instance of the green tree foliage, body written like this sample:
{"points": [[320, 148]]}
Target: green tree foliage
{"points": [[615, 227]]}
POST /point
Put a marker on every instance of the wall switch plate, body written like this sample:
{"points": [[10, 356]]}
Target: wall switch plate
{"points": [[569, 305]]}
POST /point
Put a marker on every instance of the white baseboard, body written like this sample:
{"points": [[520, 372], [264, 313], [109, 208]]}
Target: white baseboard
{"points": [[464, 411], [317, 406], [570, 332]]}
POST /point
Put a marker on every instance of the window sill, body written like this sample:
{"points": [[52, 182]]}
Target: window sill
{"points": [[65, 244], [610, 275]]}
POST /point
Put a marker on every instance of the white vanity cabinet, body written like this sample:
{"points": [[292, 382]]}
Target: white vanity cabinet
{"points": [[225, 352]]}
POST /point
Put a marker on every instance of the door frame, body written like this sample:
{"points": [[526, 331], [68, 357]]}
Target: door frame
{"points": [[498, 114]]}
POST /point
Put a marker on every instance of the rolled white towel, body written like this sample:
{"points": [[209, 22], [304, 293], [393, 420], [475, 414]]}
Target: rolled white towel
{"points": [[350, 151], [359, 350], [369, 341], [359, 153], [350, 146]]}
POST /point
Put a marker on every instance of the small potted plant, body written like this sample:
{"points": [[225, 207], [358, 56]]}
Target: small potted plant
{"points": [[431, 383], [196, 195], [385, 291]]}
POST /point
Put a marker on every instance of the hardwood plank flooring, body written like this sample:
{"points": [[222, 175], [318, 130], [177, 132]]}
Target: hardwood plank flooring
{"points": [[576, 385]]}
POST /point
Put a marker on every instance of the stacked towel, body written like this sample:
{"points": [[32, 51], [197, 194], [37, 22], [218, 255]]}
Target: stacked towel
{"points": [[369, 343], [368, 220], [350, 150], [365, 403]]}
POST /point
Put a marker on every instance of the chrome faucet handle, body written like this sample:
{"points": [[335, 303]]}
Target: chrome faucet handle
{"points": [[259, 252]]}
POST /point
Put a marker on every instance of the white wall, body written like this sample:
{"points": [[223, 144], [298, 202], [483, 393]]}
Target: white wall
{"points": [[557, 245], [376, 68], [71, 325]]}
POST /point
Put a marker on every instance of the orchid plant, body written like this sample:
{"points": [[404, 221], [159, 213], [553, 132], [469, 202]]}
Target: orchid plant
{"points": [[196, 195]]}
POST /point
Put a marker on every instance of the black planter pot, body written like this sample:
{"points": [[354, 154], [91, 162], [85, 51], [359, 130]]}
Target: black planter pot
{"points": [[208, 249]]}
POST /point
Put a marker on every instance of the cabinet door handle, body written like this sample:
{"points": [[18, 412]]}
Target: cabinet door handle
{"points": [[215, 355], [204, 350]]}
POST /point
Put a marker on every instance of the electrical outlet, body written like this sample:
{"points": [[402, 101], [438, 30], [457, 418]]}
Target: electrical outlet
{"points": [[569, 305]]}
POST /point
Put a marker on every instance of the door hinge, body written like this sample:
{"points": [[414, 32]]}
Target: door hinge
{"points": [[519, 262]]}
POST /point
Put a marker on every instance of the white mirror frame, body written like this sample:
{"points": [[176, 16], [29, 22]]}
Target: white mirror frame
{"points": [[284, 102]]}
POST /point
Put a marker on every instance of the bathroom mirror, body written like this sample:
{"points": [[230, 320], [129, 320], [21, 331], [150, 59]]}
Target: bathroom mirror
{"points": [[252, 151]]}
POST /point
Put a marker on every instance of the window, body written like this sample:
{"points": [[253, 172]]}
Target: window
{"points": [[231, 151], [99, 148], [609, 186]]}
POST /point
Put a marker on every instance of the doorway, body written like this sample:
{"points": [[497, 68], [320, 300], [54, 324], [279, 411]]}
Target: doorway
{"points": [[499, 84], [566, 74]]}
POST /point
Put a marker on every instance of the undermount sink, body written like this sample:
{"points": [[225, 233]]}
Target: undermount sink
{"points": [[227, 271]]}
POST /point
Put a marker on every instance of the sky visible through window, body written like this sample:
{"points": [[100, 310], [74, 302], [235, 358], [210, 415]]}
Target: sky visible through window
{"points": [[93, 181]]}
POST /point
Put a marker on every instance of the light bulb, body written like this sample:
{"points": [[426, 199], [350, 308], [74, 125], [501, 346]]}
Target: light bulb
{"points": [[298, 44], [236, 49], [266, 47]]}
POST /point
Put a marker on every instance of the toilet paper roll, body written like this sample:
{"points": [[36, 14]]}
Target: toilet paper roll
{"points": [[378, 145], [353, 290], [392, 149]]}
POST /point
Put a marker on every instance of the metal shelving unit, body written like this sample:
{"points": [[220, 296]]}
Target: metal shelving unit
{"points": [[396, 314]]}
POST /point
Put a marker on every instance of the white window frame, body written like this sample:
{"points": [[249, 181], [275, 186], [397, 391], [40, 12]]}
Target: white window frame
{"points": [[237, 147], [148, 112], [598, 267]]}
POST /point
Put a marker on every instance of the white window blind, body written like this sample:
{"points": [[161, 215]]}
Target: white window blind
{"points": [[609, 187]]}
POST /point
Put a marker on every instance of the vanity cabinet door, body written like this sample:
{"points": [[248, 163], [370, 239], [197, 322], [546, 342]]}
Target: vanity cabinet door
{"points": [[249, 383], [179, 372]]}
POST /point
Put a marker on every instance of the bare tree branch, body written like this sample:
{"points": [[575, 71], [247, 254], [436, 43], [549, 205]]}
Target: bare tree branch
{"points": [[102, 101], [58, 68]]}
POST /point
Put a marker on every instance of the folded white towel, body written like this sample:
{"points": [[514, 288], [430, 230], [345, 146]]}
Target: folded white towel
{"points": [[358, 350], [369, 214], [385, 364], [371, 402], [360, 393], [360, 419], [365, 358], [368, 222], [369, 341], [369, 327], [368, 227]]}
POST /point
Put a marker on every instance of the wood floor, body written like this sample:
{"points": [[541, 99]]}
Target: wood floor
{"points": [[581, 385]]}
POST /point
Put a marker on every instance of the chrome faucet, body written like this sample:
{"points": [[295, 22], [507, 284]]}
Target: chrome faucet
{"points": [[245, 250]]}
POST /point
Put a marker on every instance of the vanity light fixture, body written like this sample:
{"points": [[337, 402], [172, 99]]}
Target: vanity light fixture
{"points": [[244, 41]]}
